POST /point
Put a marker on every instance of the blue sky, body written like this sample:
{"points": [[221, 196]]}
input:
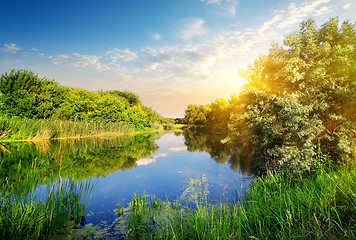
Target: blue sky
{"points": [[171, 53]]}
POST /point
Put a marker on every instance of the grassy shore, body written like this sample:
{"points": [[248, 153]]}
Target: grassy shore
{"points": [[22, 129], [33, 216], [321, 205]]}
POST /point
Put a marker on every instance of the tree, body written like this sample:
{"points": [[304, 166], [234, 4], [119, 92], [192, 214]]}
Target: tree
{"points": [[195, 114], [302, 93], [24, 94], [219, 112]]}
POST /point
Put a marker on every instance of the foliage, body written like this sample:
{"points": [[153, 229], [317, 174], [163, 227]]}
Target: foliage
{"points": [[283, 131], [301, 94], [75, 159], [32, 216], [277, 206], [195, 114], [216, 112], [24, 94], [17, 128], [317, 67]]}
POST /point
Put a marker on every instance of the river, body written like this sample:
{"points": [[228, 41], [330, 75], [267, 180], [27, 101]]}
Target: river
{"points": [[161, 165]]}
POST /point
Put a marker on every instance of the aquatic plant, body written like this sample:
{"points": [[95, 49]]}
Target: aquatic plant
{"points": [[319, 206], [33, 215]]}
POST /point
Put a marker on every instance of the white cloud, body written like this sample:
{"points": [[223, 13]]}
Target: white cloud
{"points": [[195, 62], [295, 13], [198, 62], [121, 54], [181, 63], [193, 28], [347, 6], [178, 148], [34, 49], [164, 154], [11, 48], [228, 6], [145, 161], [81, 61], [153, 159], [155, 58], [266, 25], [323, 10]]}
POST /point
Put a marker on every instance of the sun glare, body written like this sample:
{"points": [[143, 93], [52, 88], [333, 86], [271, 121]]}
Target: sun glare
{"points": [[239, 80]]}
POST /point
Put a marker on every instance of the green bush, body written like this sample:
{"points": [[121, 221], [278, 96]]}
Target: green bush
{"points": [[25, 95]]}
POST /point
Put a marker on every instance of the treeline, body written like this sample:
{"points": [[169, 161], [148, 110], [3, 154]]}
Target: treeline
{"points": [[298, 99], [25, 95]]}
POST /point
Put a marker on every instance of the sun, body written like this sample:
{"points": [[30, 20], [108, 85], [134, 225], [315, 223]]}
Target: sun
{"points": [[240, 81]]}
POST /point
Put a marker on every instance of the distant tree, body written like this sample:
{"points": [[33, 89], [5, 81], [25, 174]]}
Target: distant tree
{"points": [[195, 114], [219, 112]]}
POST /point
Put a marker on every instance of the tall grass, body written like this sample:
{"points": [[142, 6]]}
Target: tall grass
{"points": [[41, 212], [32, 216], [318, 206], [16, 128]]}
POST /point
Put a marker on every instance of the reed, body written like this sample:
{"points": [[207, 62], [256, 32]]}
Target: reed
{"points": [[318, 206], [15, 128], [33, 214]]}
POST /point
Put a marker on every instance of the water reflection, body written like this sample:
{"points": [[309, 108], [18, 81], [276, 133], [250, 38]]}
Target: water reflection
{"points": [[85, 158], [160, 165], [81, 159], [77, 159], [146, 161], [236, 155], [178, 148]]}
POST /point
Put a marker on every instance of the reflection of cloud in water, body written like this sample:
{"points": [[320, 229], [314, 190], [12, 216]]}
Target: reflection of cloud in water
{"points": [[146, 161], [160, 155], [178, 148]]}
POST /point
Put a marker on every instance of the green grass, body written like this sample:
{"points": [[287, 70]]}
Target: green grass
{"points": [[15, 128], [27, 216], [26, 213], [277, 206]]}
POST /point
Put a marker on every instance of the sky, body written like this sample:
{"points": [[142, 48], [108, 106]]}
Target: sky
{"points": [[171, 53]]}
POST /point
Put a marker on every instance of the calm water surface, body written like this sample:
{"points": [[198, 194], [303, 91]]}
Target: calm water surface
{"points": [[158, 165]]}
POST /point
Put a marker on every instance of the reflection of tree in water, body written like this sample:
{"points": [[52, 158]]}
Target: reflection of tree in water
{"points": [[235, 154], [76, 159]]}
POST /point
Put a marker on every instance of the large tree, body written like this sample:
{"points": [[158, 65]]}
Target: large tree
{"points": [[302, 93]]}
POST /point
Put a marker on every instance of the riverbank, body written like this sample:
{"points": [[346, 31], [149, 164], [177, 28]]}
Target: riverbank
{"points": [[23, 129], [321, 205], [31, 216]]}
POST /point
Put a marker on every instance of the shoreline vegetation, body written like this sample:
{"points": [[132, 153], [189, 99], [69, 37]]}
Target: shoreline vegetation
{"points": [[321, 205], [38, 108], [295, 117], [15, 129], [317, 206]]}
